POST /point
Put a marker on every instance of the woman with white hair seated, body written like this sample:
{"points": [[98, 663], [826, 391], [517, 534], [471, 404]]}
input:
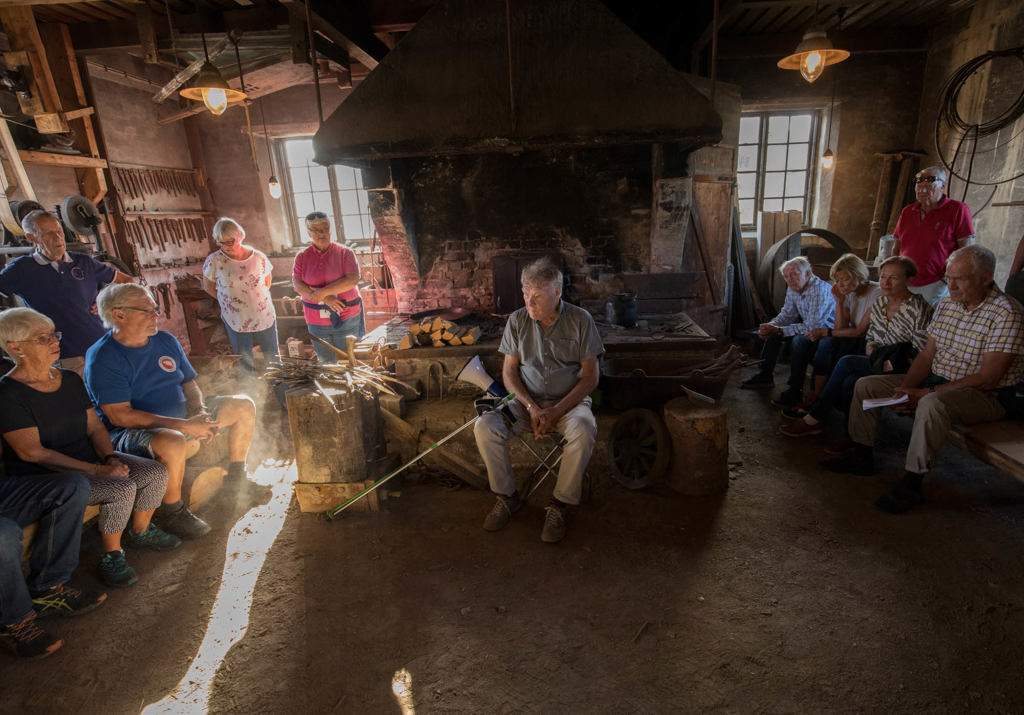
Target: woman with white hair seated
{"points": [[48, 424]]}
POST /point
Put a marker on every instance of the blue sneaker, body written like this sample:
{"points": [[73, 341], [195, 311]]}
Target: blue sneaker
{"points": [[115, 571], [153, 538]]}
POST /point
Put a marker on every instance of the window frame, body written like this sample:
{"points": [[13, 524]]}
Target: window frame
{"points": [[298, 238], [813, 158]]}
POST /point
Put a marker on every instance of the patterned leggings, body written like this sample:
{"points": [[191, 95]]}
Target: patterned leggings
{"points": [[142, 490]]}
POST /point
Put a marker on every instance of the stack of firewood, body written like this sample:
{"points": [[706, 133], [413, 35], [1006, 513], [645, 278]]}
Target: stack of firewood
{"points": [[439, 332]]}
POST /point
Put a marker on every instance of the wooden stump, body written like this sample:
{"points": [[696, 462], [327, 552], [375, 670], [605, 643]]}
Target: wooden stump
{"points": [[334, 445], [700, 447]]}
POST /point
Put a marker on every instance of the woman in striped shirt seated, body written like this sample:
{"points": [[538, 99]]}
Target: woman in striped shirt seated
{"points": [[896, 334]]}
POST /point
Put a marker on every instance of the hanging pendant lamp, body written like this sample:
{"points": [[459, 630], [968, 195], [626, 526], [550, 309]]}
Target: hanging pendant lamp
{"points": [[210, 88], [814, 53]]}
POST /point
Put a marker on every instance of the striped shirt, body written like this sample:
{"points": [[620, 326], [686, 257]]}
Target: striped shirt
{"points": [[963, 336], [909, 325], [814, 308]]}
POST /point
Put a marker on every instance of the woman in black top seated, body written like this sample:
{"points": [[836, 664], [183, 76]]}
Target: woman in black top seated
{"points": [[48, 425]]}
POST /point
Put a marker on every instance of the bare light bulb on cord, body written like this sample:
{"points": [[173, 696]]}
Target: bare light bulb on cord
{"points": [[274, 187]]}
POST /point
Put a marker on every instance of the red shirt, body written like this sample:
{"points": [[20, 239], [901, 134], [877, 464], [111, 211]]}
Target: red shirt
{"points": [[317, 269], [929, 240]]}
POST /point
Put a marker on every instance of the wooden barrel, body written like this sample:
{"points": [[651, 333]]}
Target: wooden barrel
{"points": [[700, 447]]}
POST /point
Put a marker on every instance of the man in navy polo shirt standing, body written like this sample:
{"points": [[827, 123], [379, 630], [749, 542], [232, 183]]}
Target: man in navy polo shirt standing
{"points": [[61, 285]]}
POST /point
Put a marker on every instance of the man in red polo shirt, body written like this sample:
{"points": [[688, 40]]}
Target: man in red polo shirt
{"points": [[929, 230]]}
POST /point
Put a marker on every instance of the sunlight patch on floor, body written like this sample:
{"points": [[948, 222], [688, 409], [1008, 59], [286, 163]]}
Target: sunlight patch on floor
{"points": [[401, 686], [247, 547]]}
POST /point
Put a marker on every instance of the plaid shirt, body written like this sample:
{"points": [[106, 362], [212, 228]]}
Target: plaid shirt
{"points": [[814, 308], [963, 336]]}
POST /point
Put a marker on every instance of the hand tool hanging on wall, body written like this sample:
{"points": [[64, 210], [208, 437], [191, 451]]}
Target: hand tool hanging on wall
{"points": [[332, 514]]}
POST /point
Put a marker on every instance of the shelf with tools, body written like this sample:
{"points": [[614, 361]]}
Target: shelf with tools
{"points": [[161, 213]]}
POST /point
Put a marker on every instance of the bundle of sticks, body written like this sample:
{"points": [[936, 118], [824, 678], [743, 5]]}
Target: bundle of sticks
{"points": [[331, 379], [438, 332]]}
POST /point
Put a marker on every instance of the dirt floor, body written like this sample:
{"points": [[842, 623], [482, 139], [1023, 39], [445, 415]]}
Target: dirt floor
{"points": [[789, 593]]}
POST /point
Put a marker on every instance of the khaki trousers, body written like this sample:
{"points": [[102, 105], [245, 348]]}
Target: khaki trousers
{"points": [[936, 414], [577, 426]]}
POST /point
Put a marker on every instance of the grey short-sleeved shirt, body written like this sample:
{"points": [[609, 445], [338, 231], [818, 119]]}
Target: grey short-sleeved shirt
{"points": [[551, 361]]}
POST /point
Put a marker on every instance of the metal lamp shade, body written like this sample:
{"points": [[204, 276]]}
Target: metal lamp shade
{"points": [[211, 89], [814, 53]]}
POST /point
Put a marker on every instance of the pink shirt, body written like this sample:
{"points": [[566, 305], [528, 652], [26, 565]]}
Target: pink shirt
{"points": [[317, 269], [930, 240]]}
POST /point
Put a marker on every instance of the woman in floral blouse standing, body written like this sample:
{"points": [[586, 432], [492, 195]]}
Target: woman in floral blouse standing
{"points": [[239, 278]]}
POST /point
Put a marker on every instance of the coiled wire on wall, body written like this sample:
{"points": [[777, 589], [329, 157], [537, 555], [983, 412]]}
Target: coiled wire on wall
{"points": [[949, 116]]}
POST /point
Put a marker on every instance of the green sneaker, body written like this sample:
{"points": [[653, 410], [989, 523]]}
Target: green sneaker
{"points": [[153, 538], [115, 571], [64, 600]]}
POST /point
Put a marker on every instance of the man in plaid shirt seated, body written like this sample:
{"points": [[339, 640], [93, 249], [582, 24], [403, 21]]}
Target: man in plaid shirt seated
{"points": [[809, 305], [967, 371]]}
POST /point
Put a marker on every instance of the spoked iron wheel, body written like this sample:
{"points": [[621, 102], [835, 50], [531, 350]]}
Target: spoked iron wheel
{"points": [[640, 448]]}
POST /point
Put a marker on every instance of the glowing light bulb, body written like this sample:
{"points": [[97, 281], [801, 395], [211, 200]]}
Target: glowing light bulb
{"points": [[215, 99], [828, 159], [274, 187], [812, 65]]}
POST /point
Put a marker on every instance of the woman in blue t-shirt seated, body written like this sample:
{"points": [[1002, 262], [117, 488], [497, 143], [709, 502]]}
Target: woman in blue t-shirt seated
{"points": [[48, 424]]}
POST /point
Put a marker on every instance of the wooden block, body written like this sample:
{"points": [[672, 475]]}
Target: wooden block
{"points": [[415, 329], [316, 498], [471, 336], [437, 335], [437, 325], [204, 485], [406, 342], [438, 343]]}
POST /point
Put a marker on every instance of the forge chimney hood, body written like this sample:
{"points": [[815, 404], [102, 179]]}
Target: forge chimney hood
{"points": [[579, 78]]}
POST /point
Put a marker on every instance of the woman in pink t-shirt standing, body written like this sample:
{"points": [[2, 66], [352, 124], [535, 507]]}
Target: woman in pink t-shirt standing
{"points": [[325, 275]]}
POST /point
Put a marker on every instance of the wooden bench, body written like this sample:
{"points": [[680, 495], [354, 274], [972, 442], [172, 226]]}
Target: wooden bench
{"points": [[1001, 444]]}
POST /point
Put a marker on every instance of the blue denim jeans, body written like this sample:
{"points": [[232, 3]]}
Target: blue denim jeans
{"points": [[803, 352], [838, 391], [57, 502], [336, 336], [241, 344]]}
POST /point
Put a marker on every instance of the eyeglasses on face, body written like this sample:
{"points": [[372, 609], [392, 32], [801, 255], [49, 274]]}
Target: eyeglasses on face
{"points": [[43, 339], [320, 230], [926, 179], [150, 311]]}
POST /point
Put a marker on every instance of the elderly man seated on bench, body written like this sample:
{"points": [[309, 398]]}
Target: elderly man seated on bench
{"points": [[144, 388], [966, 373]]}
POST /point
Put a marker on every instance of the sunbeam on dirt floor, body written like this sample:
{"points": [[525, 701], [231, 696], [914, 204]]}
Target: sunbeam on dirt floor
{"points": [[247, 547]]}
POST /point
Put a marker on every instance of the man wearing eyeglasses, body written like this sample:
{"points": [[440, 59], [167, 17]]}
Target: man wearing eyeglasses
{"points": [[325, 275], [929, 230], [145, 391], [60, 284]]}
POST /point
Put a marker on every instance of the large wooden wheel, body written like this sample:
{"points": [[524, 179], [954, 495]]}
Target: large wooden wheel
{"points": [[640, 448]]}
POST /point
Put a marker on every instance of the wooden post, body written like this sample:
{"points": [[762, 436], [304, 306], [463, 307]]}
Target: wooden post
{"points": [[700, 447], [881, 203]]}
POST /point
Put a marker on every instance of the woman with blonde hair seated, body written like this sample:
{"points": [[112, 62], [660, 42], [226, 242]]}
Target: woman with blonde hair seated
{"points": [[854, 294], [48, 425]]}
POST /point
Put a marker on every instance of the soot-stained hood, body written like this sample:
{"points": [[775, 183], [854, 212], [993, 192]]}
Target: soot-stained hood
{"points": [[579, 78]]}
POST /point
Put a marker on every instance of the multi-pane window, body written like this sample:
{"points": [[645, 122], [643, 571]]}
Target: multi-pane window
{"points": [[775, 162], [336, 190]]}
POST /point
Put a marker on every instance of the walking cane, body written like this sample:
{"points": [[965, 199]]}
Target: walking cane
{"points": [[332, 514]]}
